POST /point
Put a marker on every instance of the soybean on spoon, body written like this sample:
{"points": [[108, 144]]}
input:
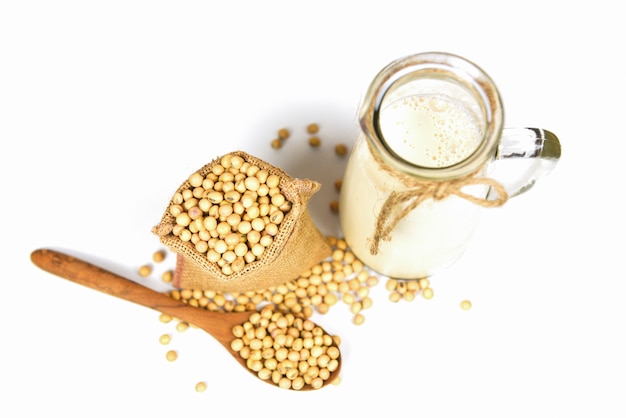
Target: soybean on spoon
{"points": [[217, 324]]}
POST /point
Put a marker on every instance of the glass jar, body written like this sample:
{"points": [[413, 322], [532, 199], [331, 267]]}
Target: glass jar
{"points": [[421, 170]]}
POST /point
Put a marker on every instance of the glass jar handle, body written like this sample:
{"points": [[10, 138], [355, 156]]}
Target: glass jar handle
{"points": [[523, 156]]}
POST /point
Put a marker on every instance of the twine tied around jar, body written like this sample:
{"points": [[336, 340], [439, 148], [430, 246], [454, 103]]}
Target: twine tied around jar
{"points": [[421, 190]]}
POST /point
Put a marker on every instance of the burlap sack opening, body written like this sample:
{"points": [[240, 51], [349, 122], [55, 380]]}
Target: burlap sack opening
{"points": [[297, 246]]}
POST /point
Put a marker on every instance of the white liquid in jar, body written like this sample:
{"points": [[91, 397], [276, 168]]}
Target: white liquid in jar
{"points": [[430, 131]]}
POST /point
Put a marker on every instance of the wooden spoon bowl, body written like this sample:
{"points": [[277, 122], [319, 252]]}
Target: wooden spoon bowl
{"points": [[218, 324]]}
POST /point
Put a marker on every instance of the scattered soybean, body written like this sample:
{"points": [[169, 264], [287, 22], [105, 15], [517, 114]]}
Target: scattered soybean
{"points": [[145, 270], [466, 305]]}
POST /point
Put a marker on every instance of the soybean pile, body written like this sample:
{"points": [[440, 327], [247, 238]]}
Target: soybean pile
{"points": [[232, 214], [342, 279]]}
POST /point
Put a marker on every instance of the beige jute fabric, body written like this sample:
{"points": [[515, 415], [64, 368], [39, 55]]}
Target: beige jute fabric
{"points": [[297, 247]]}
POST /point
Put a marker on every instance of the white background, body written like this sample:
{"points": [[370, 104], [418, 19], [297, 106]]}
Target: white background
{"points": [[107, 106]]}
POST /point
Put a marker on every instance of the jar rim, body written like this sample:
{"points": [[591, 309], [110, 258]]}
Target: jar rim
{"points": [[441, 65]]}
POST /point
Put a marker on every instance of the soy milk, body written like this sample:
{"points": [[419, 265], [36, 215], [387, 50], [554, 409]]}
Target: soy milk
{"points": [[429, 131]]}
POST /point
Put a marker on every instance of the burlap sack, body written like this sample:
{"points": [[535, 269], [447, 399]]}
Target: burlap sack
{"points": [[297, 246]]}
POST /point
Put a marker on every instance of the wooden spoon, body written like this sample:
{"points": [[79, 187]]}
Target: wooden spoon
{"points": [[218, 324]]}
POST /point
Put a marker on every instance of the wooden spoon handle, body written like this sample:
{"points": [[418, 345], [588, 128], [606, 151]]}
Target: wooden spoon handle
{"points": [[219, 325], [87, 274]]}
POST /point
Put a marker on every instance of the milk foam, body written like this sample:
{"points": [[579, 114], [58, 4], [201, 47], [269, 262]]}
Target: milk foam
{"points": [[429, 131]]}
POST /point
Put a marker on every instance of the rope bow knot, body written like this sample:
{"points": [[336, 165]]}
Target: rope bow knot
{"points": [[419, 191]]}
